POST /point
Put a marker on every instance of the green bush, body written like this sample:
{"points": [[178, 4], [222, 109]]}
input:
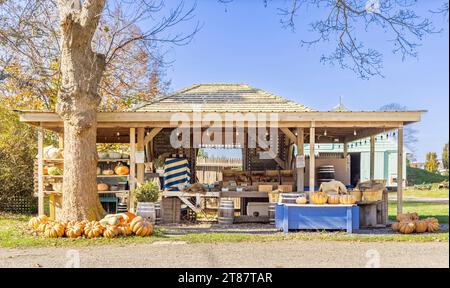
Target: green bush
{"points": [[147, 192], [418, 176], [17, 154]]}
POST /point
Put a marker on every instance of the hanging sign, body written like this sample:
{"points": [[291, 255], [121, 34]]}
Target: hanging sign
{"points": [[300, 161], [139, 157]]}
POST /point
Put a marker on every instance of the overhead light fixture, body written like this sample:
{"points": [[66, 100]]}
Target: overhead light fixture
{"points": [[325, 133], [354, 132], [118, 133]]}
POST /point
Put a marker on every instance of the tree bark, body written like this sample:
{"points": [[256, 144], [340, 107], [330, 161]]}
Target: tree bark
{"points": [[78, 100]]}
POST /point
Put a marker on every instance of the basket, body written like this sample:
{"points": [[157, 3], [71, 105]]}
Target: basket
{"points": [[357, 194], [274, 196], [372, 196]]}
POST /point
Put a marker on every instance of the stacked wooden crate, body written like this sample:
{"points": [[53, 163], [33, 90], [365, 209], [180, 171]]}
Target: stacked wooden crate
{"points": [[171, 210]]}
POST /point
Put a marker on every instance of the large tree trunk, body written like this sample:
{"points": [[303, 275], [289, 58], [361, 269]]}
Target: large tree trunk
{"points": [[81, 72]]}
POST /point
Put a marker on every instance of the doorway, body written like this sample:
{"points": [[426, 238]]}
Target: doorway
{"points": [[355, 168]]}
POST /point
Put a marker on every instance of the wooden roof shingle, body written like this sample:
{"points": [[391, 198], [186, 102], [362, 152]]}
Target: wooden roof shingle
{"points": [[222, 98]]}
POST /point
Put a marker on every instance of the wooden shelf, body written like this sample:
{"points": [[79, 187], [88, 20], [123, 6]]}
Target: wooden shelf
{"points": [[112, 176], [99, 192], [99, 160], [98, 176]]}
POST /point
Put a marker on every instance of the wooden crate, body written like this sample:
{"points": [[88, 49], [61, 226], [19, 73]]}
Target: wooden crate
{"points": [[170, 210], [286, 188]]}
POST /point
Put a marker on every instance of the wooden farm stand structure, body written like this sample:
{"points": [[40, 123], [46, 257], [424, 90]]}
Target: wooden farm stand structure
{"points": [[148, 128]]}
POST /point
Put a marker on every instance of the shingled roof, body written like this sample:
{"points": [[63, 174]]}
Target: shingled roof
{"points": [[222, 98]]}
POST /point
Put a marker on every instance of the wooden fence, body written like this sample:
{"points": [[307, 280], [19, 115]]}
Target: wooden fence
{"points": [[209, 170]]}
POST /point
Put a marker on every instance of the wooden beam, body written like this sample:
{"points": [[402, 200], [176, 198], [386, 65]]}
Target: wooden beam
{"points": [[300, 151], [140, 167], [41, 170], [400, 170], [289, 134], [132, 180], [149, 137], [322, 119], [280, 162], [372, 158], [312, 159]]}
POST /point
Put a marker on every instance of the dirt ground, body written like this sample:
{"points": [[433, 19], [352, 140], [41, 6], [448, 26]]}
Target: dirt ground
{"points": [[271, 254]]}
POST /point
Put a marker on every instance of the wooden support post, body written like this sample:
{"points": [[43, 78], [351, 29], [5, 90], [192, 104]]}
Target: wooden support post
{"points": [[140, 167], [400, 170], [52, 197], [312, 158], [131, 180], [300, 151], [345, 149], [372, 157], [41, 170]]}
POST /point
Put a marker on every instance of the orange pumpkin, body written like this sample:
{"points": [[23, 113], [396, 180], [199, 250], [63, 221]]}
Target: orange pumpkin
{"points": [[395, 226], [421, 226], [93, 229], [121, 170], [54, 230], [74, 231], [433, 224], [141, 227], [36, 221], [407, 227], [124, 229], [347, 199], [318, 198], [111, 231]]}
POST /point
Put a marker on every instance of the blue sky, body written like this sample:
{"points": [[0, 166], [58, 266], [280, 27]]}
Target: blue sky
{"points": [[243, 42]]}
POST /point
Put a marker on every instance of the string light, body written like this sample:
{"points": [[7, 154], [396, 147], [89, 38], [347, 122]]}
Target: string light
{"points": [[325, 133]]}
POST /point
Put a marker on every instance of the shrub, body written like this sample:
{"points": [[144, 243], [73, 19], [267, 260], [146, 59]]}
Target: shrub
{"points": [[17, 155], [147, 192]]}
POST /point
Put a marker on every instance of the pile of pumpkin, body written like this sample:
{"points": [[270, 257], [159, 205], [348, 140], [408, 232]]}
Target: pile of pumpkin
{"points": [[111, 226], [323, 198], [409, 223]]}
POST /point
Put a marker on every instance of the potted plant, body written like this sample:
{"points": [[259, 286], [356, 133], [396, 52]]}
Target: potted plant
{"points": [[159, 163], [146, 195]]}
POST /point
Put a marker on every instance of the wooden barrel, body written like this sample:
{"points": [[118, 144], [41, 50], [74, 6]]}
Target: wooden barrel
{"points": [[147, 211], [226, 212], [325, 174], [158, 214], [289, 198], [122, 207], [272, 213]]}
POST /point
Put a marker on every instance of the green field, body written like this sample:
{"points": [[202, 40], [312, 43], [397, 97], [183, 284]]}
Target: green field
{"points": [[424, 209], [433, 193]]}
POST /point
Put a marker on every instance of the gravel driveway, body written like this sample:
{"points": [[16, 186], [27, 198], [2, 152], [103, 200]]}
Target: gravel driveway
{"points": [[270, 254]]}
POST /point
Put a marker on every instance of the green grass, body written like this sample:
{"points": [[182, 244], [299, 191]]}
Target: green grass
{"points": [[433, 193], [438, 210], [14, 234], [420, 176]]}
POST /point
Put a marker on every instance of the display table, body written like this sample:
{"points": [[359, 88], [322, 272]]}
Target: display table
{"points": [[316, 217]]}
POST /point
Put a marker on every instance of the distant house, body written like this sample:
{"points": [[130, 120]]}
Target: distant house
{"points": [[359, 154]]}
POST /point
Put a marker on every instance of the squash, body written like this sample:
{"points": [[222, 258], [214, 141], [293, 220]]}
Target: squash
{"points": [[93, 229], [54, 230], [121, 169], [347, 199], [395, 227], [333, 199], [433, 224], [125, 229], [41, 228], [421, 226], [301, 200], [102, 187], [74, 231], [407, 216], [110, 219], [111, 231], [319, 198], [55, 171], [407, 227], [141, 227], [35, 221], [108, 172]]}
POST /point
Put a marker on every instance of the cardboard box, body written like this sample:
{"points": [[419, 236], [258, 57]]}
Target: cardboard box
{"points": [[285, 188], [265, 188]]}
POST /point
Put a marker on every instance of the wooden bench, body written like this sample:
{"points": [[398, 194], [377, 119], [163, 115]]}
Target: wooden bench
{"points": [[316, 217]]}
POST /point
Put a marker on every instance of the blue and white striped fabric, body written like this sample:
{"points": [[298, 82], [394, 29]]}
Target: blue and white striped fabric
{"points": [[176, 172]]}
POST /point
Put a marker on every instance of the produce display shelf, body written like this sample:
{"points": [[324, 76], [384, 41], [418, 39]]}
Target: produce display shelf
{"points": [[99, 160], [98, 176], [99, 192], [112, 176]]}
